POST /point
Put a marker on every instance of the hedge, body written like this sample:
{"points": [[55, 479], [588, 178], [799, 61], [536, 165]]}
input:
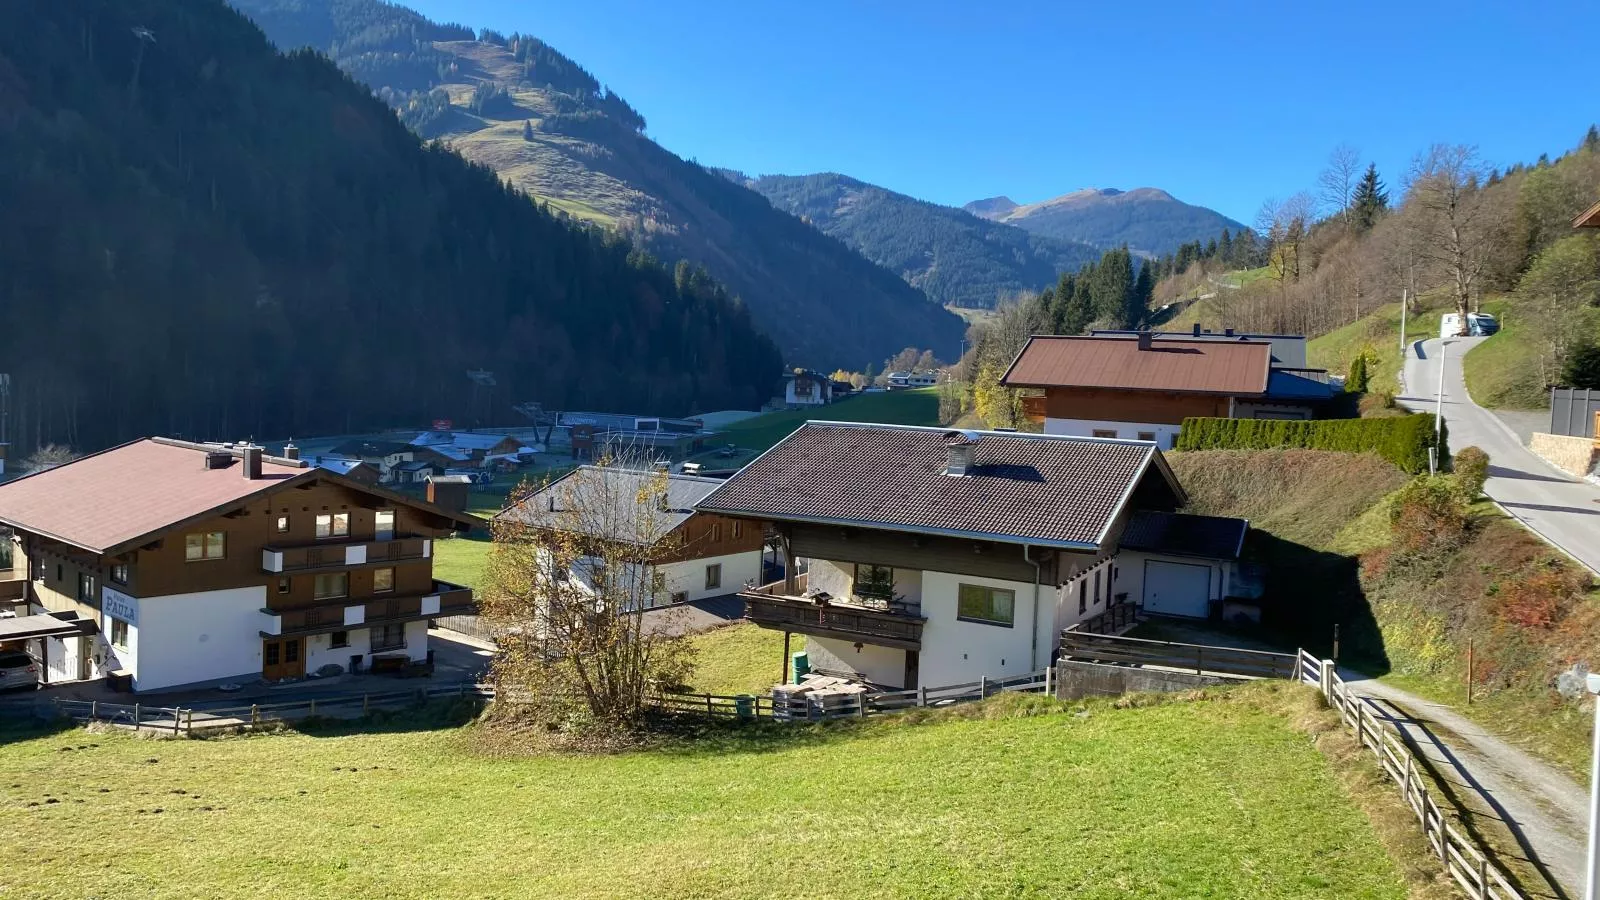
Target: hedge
{"points": [[1402, 440]]}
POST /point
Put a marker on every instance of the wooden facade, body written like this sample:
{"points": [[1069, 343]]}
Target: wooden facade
{"points": [[1156, 407]]}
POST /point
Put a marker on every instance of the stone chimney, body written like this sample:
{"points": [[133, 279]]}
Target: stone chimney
{"points": [[1197, 329], [290, 451], [252, 461], [959, 445], [1146, 340]]}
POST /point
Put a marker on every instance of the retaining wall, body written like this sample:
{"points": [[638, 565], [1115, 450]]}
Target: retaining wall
{"points": [[1575, 455], [1075, 679]]}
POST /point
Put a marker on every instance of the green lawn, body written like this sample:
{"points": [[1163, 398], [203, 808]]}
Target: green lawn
{"points": [[1218, 798], [460, 560], [741, 658], [1378, 335], [914, 407], [1503, 371]]}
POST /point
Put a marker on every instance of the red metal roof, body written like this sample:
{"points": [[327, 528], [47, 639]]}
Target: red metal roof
{"points": [[1117, 363], [127, 492]]}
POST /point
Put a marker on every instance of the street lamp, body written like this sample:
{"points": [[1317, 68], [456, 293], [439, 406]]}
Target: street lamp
{"points": [[1591, 890], [1438, 412]]}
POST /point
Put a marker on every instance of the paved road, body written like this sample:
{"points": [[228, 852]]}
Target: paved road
{"points": [[1563, 510], [1544, 812]]}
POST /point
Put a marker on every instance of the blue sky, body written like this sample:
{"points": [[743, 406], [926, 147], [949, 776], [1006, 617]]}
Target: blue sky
{"points": [[1223, 104]]}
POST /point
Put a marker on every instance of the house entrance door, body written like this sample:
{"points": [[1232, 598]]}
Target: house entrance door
{"points": [[283, 658]]}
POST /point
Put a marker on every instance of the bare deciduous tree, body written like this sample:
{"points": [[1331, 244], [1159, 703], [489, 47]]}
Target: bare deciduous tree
{"points": [[1284, 225], [47, 457], [1453, 224], [1337, 183], [572, 571]]}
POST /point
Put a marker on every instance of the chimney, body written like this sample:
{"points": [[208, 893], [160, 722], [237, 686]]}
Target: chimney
{"points": [[959, 445], [1227, 332], [1144, 340], [252, 461], [218, 459], [290, 451], [1197, 329]]}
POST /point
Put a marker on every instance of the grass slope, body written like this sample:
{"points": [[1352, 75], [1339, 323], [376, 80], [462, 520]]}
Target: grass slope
{"points": [[741, 658], [1504, 372], [914, 407], [1016, 797]]}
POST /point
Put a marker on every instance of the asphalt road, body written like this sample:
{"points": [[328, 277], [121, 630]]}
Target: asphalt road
{"points": [[1559, 508]]}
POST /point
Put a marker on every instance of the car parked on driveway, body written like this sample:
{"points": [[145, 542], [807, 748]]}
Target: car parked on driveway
{"points": [[18, 671], [1478, 325]]}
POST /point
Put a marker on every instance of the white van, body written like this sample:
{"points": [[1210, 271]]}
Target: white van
{"points": [[1478, 325]]}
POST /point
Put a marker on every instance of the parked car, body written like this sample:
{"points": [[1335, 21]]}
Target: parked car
{"points": [[18, 671], [1478, 325]]}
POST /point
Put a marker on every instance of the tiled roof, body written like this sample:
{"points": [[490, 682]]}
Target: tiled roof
{"points": [[607, 500], [128, 492], [1211, 537], [1117, 363], [1021, 488]]}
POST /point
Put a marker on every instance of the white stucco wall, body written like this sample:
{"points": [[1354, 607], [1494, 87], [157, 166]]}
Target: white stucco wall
{"points": [[838, 579], [1165, 434], [417, 640], [880, 665], [689, 575], [954, 652], [1066, 597], [320, 650], [185, 638]]}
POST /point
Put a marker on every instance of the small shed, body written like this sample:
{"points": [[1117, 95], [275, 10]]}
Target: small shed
{"points": [[449, 491]]}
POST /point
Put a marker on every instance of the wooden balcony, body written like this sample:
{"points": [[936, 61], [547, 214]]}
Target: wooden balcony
{"points": [[359, 612], [769, 607], [333, 555], [13, 590]]}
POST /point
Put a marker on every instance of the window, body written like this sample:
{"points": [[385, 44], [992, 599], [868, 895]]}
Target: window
{"points": [[383, 529], [332, 584], [119, 633], [382, 579], [283, 584], [333, 525], [713, 576], [86, 588], [1104, 432], [716, 532], [874, 582], [1147, 435], [680, 597], [738, 527], [59, 575], [990, 606], [1096, 587], [1083, 596], [119, 573], [208, 545], [283, 524], [388, 637], [339, 639]]}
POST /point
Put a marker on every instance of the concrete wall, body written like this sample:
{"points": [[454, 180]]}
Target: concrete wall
{"points": [[1575, 455], [1084, 679], [1165, 434], [880, 665]]}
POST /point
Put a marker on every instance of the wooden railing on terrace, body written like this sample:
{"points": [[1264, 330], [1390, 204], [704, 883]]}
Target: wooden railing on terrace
{"points": [[331, 554]]}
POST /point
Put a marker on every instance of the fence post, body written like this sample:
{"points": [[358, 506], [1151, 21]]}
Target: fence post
{"points": [[366, 699], [1199, 657], [136, 717], [255, 715], [1048, 671], [188, 721], [312, 714], [861, 705], [709, 713], [983, 686], [1327, 679], [922, 695], [1483, 877], [177, 719], [94, 709]]}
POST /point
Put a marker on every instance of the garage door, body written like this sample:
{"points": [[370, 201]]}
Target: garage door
{"points": [[1176, 589]]}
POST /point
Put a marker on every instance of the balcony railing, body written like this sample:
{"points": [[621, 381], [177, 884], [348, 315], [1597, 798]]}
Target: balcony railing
{"points": [[769, 607], [357, 612], [283, 558]]}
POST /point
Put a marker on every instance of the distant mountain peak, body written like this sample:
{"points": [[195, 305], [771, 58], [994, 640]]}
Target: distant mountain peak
{"points": [[993, 208]]}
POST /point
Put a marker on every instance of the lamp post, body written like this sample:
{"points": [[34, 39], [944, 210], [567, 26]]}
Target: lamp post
{"points": [[1438, 411], [1591, 888]]}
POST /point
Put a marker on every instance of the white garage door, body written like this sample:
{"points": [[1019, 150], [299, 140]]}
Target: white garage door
{"points": [[1176, 589]]}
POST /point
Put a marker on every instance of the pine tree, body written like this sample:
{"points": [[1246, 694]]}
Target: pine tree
{"points": [[1591, 141], [1144, 289], [1370, 200], [1357, 381], [527, 130]]}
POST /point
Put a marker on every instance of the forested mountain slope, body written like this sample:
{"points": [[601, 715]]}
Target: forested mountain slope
{"points": [[1147, 220], [208, 238], [953, 256], [548, 126]]}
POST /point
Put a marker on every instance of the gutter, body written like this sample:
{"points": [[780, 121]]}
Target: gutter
{"points": [[1033, 642]]}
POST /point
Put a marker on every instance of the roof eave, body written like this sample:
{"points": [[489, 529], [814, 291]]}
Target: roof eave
{"points": [[962, 534]]}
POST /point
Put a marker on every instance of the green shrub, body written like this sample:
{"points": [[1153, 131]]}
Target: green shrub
{"points": [[1402, 440], [1471, 468], [1427, 516], [1357, 380], [1582, 369]]}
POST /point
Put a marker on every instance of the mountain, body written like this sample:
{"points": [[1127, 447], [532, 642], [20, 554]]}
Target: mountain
{"points": [[551, 128], [1148, 220], [954, 257], [215, 240]]}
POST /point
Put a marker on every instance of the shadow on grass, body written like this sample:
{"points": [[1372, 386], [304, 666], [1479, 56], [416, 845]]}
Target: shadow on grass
{"points": [[19, 727], [1308, 592]]}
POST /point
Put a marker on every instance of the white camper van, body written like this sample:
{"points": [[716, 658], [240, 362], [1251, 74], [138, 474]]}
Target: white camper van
{"points": [[1478, 325]]}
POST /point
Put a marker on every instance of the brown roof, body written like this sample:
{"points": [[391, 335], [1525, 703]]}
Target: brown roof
{"points": [[1117, 363], [122, 496], [1047, 490], [1589, 218]]}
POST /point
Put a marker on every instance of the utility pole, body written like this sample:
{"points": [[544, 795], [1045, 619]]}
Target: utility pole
{"points": [[1438, 411], [1405, 304], [1591, 890]]}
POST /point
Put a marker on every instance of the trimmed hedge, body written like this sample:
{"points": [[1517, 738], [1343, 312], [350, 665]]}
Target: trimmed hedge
{"points": [[1402, 440]]}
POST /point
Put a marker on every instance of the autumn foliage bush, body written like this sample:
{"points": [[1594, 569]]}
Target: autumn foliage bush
{"points": [[1428, 517]]}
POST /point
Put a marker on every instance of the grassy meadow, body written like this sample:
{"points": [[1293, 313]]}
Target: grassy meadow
{"points": [[1218, 797], [912, 407]]}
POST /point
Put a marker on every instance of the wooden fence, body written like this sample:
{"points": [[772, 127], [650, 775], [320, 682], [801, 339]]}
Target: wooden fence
{"points": [[181, 721], [808, 708], [1476, 875], [1199, 658], [1117, 617]]}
